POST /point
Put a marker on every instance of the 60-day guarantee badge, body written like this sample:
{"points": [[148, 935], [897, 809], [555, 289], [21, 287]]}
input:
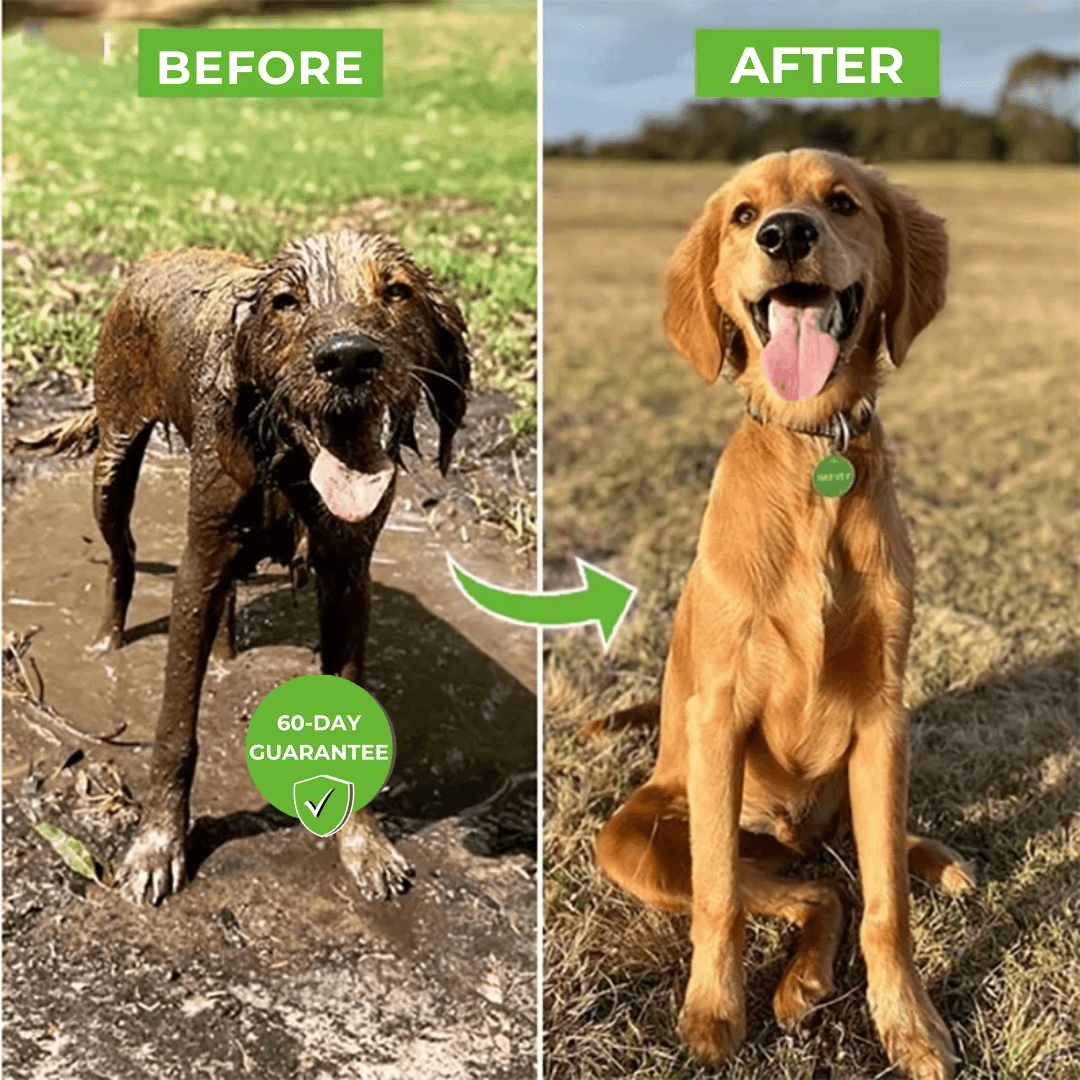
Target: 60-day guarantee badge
{"points": [[318, 748]]}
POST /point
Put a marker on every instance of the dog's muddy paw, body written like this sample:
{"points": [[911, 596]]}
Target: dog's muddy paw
{"points": [[712, 1039], [379, 875], [384, 881], [380, 871], [154, 866], [105, 642]]}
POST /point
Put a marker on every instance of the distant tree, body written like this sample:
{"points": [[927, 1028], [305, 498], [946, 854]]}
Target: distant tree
{"points": [[1044, 82], [576, 146], [1038, 108]]}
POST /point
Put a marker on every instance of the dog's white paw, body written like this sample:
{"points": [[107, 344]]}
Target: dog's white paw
{"points": [[154, 866]]}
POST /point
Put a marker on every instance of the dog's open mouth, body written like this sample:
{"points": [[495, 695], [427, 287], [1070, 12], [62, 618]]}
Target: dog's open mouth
{"points": [[352, 481], [802, 328]]}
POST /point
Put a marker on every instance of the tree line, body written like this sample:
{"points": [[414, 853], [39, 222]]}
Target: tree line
{"points": [[900, 130]]}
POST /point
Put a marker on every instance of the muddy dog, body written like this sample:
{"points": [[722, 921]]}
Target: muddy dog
{"points": [[295, 384], [806, 277]]}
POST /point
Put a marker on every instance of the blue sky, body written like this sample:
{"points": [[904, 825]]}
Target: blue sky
{"points": [[609, 63]]}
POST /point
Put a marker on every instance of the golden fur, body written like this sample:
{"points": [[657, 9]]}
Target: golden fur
{"points": [[781, 716]]}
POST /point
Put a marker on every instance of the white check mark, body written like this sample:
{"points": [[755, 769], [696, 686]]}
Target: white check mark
{"points": [[322, 802]]}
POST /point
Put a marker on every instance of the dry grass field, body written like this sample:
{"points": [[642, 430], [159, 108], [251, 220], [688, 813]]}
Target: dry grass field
{"points": [[983, 418]]}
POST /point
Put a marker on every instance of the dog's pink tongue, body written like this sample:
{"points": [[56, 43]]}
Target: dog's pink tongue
{"points": [[349, 494], [799, 356]]}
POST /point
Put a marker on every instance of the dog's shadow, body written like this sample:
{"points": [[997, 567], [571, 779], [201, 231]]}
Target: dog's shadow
{"points": [[984, 780], [465, 726], [993, 760]]}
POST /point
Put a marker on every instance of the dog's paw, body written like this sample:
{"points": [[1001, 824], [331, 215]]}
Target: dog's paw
{"points": [[957, 879], [939, 866], [713, 1039], [381, 878], [915, 1038], [380, 871], [107, 640], [801, 988], [154, 866]]}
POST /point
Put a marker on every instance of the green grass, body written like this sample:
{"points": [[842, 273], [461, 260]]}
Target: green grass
{"points": [[983, 418], [96, 176]]}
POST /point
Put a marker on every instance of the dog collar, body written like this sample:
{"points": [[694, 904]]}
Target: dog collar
{"points": [[834, 475], [841, 428]]}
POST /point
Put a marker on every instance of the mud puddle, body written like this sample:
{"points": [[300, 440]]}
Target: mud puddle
{"points": [[269, 963], [458, 684]]}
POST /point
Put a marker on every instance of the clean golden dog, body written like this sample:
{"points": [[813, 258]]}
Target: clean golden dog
{"points": [[805, 277]]}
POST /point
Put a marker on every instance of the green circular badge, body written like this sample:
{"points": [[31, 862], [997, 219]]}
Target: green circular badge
{"points": [[318, 748], [834, 476]]}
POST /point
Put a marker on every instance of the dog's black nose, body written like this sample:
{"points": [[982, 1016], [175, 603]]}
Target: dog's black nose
{"points": [[789, 236], [348, 358]]}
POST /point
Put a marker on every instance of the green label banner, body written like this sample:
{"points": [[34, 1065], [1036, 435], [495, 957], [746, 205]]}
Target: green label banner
{"points": [[817, 63], [260, 63]]}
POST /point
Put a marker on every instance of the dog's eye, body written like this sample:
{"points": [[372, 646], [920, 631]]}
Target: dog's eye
{"points": [[284, 300], [398, 290], [744, 214], [841, 203]]}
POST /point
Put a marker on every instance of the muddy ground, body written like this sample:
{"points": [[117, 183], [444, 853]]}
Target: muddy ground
{"points": [[268, 964]]}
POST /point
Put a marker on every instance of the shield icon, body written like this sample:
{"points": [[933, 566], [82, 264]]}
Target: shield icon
{"points": [[323, 803]]}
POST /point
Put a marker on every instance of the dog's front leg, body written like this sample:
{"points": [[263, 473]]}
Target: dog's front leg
{"points": [[914, 1036], [713, 1019], [341, 557], [343, 581], [154, 866], [344, 602]]}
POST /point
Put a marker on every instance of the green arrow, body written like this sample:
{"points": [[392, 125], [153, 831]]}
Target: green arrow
{"points": [[604, 601]]}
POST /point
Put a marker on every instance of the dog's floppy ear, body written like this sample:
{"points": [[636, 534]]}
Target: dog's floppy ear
{"points": [[447, 374], [693, 320], [222, 373], [919, 254], [219, 371]]}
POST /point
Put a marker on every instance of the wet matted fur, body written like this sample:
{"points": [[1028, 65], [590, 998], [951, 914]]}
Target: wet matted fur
{"points": [[294, 383], [805, 278]]}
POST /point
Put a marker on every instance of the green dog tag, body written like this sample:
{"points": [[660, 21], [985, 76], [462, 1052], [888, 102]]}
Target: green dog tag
{"points": [[834, 476]]}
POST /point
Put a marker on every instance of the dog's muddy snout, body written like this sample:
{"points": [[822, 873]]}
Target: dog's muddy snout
{"points": [[347, 359], [790, 236]]}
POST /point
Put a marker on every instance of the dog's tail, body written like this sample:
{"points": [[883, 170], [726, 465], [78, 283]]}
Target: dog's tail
{"points": [[74, 438], [646, 715]]}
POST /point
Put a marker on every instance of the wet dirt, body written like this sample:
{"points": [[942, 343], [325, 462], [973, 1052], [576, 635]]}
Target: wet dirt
{"points": [[269, 963]]}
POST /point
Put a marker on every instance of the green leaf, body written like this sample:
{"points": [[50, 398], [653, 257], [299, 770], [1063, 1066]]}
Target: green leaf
{"points": [[72, 850]]}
